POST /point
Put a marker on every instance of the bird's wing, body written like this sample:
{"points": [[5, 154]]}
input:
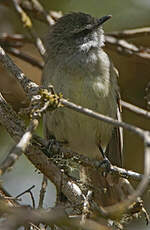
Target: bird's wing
{"points": [[114, 150]]}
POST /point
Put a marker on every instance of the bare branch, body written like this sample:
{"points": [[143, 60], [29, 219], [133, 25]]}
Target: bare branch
{"points": [[17, 151], [29, 87], [129, 174], [101, 117], [22, 216], [16, 128], [38, 11], [122, 206], [27, 23], [126, 48], [25, 57], [42, 191], [30, 192], [132, 33], [71, 189], [5, 37], [135, 109], [69, 184], [85, 161], [10, 120], [7, 198], [15, 40], [147, 97], [87, 111]]}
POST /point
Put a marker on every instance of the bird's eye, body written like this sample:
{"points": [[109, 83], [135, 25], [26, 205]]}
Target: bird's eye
{"points": [[82, 31]]}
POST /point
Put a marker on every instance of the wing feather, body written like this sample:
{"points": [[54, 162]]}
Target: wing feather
{"points": [[114, 150]]}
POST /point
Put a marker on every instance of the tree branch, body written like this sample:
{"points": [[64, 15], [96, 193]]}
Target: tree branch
{"points": [[28, 23], [132, 33], [17, 151], [35, 8], [135, 109], [25, 57], [126, 48], [69, 187], [88, 112]]}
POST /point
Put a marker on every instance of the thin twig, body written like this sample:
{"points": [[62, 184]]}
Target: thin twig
{"points": [[28, 23], [86, 207], [85, 161], [132, 33], [42, 191], [34, 227], [128, 174], [11, 201], [38, 11], [101, 117], [28, 191], [12, 37], [126, 48], [37, 5], [147, 97], [17, 151], [135, 109], [25, 57]]}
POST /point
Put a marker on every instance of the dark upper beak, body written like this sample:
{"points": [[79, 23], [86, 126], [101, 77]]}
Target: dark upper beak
{"points": [[103, 19]]}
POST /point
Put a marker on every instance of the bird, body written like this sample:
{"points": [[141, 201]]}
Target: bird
{"points": [[77, 66]]}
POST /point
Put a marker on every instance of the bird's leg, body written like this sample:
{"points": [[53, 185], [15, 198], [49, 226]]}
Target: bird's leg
{"points": [[49, 146], [105, 163]]}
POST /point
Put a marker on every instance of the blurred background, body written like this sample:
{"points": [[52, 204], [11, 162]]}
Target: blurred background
{"points": [[134, 76]]}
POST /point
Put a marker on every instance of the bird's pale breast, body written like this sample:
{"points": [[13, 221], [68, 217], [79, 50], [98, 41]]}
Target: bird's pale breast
{"points": [[91, 90]]}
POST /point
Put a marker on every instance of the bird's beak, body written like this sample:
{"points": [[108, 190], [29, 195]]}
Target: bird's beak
{"points": [[103, 19]]}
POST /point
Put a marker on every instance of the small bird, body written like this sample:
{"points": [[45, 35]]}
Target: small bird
{"points": [[77, 66]]}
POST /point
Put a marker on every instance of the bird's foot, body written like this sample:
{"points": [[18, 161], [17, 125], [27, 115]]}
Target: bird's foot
{"points": [[49, 147], [105, 164]]}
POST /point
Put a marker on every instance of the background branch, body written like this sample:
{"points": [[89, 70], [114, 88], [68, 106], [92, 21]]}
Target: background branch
{"points": [[135, 109], [90, 113], [25, 57], [132, 33], [27, 23], [125, 48], [35, 148]]}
